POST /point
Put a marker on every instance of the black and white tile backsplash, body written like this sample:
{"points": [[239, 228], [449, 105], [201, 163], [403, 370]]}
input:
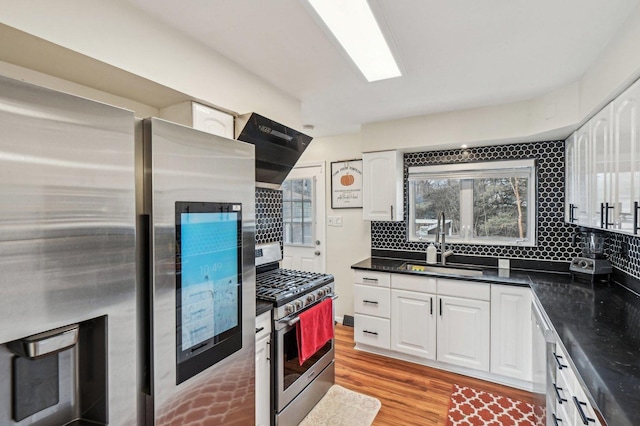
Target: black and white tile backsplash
{"points": [[268, 215], [554, 235], [624, 253]]}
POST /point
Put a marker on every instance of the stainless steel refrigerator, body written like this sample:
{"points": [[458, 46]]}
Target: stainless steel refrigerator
{"points": [[196, 196], [67, 260]]}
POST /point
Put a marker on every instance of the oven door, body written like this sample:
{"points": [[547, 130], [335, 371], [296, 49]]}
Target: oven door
{"points": [[290, 377]]}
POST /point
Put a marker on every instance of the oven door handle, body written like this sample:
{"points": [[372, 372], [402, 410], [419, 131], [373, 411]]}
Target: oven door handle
{"points": [[294, 318]]}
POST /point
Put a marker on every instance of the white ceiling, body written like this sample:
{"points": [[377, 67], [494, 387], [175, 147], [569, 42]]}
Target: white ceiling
{"points": [[454, 54]]}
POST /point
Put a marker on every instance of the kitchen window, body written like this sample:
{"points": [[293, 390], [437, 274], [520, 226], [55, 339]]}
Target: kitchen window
{"points": [[297, 210], [490, 203]]}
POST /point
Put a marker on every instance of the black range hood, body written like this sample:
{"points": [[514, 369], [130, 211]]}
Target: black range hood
{"points": [[277, 147]]}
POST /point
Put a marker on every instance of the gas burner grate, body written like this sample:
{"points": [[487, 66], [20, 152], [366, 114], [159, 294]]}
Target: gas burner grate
{"points": [[279, 284]]}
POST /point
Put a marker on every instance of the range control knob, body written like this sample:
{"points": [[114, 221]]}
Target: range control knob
{"points": [[297, 304], [320, 293], [288, 309], [327, 290], [310, 299]]}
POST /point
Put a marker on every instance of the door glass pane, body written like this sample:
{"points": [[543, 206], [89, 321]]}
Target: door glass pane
{"points": [[298, 211]]}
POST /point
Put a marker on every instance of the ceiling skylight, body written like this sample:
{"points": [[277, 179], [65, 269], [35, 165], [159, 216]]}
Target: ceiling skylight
{"points": [[355, 27]]}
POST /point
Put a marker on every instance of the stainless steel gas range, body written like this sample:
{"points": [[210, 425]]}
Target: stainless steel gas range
{"points": [[296, 388]]}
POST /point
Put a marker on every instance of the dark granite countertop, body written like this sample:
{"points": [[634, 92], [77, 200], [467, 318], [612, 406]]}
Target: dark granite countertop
{"points": [[262, 307], [598, 324]]}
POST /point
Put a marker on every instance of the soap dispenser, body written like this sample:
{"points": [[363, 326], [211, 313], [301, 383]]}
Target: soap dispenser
{"points": [[432, 254]]}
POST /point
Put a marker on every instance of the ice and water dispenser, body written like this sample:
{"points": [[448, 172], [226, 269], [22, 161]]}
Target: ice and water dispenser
{"points": [[57, 377]]}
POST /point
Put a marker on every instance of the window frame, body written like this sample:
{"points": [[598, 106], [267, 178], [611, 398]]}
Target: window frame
{"points": [[466, 172], [301, 222]]}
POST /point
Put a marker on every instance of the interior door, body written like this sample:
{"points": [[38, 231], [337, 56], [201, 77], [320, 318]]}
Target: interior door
{"points": [[303, 203]]}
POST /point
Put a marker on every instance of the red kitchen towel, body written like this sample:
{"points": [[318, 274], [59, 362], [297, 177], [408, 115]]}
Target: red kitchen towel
{"points": [[314, 329]]}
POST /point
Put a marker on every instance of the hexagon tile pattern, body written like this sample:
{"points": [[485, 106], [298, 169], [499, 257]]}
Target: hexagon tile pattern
{"points": [[269, 222], [554, 235]]}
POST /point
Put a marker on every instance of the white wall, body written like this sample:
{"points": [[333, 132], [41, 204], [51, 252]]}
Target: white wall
{"points": [[551, 116], [44, 80], [351, 242], [119, 35], [544, 118], [614, 70]]}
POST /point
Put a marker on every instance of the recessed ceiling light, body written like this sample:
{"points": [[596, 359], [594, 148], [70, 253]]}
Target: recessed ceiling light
{"points": [[356, 29]]}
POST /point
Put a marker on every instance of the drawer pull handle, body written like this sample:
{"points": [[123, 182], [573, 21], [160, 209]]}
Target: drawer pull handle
{"points": [[560, 398], [556, 420], [373, 302], [583, 416], [375, 333], [370, 280], [560, 364], [258, 330]]}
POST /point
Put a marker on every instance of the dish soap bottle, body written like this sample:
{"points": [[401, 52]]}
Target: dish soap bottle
{"points": [[432, 254]]}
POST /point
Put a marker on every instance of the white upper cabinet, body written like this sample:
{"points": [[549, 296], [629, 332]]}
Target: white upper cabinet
{"points": [[200, 117], [578, 172], [626, 152], [603, 167], [382, 186]]}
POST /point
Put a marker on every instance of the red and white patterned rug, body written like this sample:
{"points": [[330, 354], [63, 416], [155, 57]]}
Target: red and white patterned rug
{"points": [[471, 407]]}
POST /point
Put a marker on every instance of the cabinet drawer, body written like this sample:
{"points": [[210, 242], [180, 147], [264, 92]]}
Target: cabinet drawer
{"points": [[411, 283], [372, 331], [263, 325], [370, 300], [582, 408], [563, 397], [467, 290], [379, 279]]}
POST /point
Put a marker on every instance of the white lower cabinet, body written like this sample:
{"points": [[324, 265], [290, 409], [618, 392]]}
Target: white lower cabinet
{"points": [[372, 331], [511, 340], [263, 369], [371, 300], [464, 332], [572, 407], [413, 323], [372, 308], [453, 324]]}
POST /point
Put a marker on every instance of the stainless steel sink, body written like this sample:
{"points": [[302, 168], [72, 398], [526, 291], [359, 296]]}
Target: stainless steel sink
{"points": [[445, 270]]}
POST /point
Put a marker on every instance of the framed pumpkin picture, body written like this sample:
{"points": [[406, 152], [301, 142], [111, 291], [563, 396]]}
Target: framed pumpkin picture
{"points": [[346, 184]]}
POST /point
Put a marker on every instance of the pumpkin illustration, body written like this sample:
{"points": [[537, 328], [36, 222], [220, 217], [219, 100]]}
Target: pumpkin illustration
{"points": [[346, 179]]}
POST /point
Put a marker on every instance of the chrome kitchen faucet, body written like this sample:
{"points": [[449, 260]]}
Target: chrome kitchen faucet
{"points": [[440, 232]]}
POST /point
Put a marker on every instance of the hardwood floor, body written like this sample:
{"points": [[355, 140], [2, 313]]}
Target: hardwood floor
{"points": [[411, 394]]}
